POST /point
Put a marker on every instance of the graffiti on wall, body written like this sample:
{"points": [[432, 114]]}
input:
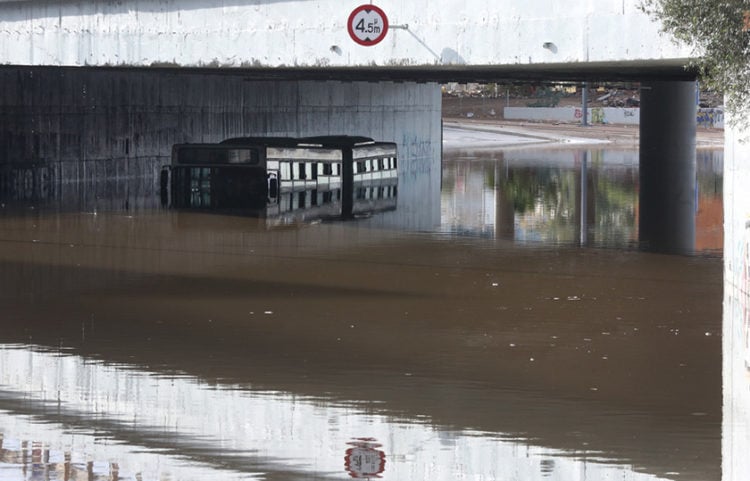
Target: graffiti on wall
{"points": [[739, 296], [712, 118], [596, 115], [417, 154], [705, 117], [35, 182]]}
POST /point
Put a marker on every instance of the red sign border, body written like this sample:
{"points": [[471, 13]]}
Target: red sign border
{"points": [[350, 28], [352, 473]]}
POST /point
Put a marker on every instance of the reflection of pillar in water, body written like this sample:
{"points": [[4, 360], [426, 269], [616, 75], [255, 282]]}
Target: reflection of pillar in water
{"points": [[667, 166], [585, 205], [583, 197], [505, 226]]}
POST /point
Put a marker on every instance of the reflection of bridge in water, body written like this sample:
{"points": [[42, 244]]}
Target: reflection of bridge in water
{"points": [[249, 432]]}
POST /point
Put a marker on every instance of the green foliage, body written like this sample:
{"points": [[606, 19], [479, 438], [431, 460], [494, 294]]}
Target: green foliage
{"points": [[716, 30], [546, 97]]}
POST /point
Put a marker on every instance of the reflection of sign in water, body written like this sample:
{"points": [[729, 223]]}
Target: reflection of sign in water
{"points": [[363, 460]]}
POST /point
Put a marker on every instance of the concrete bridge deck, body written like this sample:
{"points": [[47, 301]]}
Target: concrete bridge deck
{"points": [[433, 41]]}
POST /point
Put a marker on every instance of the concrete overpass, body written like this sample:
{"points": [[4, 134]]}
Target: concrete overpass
{"points": [[93, 94], [141, 76]]}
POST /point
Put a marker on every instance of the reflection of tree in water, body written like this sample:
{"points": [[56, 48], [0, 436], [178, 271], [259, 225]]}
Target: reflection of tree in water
{"points": [[709, 170], [551, 196], [529, 187], [616, 200], [543, 200]]}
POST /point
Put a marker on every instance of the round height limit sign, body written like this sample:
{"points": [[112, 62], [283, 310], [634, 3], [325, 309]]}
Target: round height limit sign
{"points": [[367, 25]]}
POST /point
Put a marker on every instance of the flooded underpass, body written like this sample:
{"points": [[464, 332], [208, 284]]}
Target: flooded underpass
{"points": [[523, 336]]}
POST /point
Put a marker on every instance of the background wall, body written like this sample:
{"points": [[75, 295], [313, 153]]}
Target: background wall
{"points": [[707, 118]]}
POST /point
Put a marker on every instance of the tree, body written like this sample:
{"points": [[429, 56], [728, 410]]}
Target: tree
{"points": [[719, 32]]}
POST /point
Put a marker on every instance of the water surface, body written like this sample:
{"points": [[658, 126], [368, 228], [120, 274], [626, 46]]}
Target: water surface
{"points": [[502, 343]]}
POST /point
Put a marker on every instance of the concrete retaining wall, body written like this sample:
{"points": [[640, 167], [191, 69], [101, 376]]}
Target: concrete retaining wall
{"points": [[598, 115], [713, 118], [736, 331]]}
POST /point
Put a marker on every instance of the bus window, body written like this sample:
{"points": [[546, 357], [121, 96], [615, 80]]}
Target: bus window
{"points": [[194, 154], [243, 156], [273, 185]]}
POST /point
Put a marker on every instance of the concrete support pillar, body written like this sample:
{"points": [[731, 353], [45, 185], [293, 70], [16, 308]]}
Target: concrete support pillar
{"points": [[667, 166], [585, 104]]}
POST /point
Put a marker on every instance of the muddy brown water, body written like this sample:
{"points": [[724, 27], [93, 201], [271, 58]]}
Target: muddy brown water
{"points": [[155, 344]]}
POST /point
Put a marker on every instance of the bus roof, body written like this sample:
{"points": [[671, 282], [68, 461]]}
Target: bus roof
{"points": [[326, 141]]}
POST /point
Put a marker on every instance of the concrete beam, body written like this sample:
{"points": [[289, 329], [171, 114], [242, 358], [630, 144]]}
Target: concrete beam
{"points": [[450, 34]]}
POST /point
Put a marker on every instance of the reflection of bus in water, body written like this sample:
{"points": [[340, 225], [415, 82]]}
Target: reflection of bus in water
{"points": [[284, 179]]}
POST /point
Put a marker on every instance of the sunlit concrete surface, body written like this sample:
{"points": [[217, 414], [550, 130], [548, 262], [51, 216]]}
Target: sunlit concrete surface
{"points": [[736, 429], [313, 34]]}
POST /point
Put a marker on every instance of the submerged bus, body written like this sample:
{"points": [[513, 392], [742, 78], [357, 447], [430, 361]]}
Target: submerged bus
{"points": [[284, 179]]}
